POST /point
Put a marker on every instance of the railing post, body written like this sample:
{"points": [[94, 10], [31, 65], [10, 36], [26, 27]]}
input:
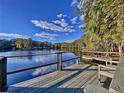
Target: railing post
{"points": [[99, 78], [81, 54], [59, 61], [3, 76], [77, 61]]}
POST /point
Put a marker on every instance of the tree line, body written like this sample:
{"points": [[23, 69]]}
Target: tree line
{"points": [[24, 44]]}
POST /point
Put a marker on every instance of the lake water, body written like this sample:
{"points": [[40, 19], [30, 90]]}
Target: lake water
{"points": [[18, 63]]}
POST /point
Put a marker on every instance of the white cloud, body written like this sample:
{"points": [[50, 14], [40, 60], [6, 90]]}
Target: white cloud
{"points": [[80, 26], [78, 3], [71, 26], [69, 29], [13, 35], [46, 35], [73, 2], [57, 22], [61, 22], [61, 15], [74, 20], [47, 25], [51, 26]]}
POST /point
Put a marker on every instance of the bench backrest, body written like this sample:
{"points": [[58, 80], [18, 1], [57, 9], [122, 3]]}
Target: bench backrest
{"points": [[117, 84]]}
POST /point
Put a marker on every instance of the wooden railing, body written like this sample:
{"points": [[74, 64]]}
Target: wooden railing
{"points": [[107, 57], [4, 73], [100, 54]]}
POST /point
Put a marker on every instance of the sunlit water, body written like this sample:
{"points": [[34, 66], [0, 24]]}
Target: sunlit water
{"points": [[18, 63]]}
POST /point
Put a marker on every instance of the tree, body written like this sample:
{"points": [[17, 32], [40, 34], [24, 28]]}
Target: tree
{"points": [[23, 43], [104, 23]]}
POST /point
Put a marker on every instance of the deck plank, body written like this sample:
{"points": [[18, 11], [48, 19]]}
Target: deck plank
{"points": [[71, 80], [75, 84], [59, 82], [64, 86]]}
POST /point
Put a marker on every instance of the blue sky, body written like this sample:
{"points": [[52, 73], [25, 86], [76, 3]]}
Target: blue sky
{"points": [[43, 20]]}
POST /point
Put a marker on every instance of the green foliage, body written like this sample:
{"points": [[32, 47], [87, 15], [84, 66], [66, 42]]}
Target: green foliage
{"points": [[104, 24], [23, 43]]}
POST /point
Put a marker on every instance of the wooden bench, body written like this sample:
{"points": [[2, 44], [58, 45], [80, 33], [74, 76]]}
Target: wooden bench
{"points": [[117, 84]]}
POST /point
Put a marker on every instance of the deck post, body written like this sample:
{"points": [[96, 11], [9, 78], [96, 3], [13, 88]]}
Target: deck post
{"points": [[3, 74], [77, 61], [81, 54], [99, 78], [59, 61]]}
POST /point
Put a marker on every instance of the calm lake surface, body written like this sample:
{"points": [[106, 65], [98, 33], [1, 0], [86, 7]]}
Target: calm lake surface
{"points": [[18, 63]]}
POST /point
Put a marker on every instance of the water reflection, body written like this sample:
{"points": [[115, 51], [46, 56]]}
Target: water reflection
{"points": [[44, 70], [18, 63]]}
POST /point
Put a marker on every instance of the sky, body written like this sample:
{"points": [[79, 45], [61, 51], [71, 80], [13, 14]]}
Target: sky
{"points": [[43, 20]]}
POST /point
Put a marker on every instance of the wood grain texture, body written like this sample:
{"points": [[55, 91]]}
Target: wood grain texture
{"points": [[72, 79]]}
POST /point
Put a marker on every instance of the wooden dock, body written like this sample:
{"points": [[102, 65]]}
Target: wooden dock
{"points": [[72, 79], [100, 59], [107, 57]]}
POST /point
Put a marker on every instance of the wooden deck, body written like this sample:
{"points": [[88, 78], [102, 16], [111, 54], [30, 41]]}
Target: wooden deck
{"points": [[71, 80]]}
